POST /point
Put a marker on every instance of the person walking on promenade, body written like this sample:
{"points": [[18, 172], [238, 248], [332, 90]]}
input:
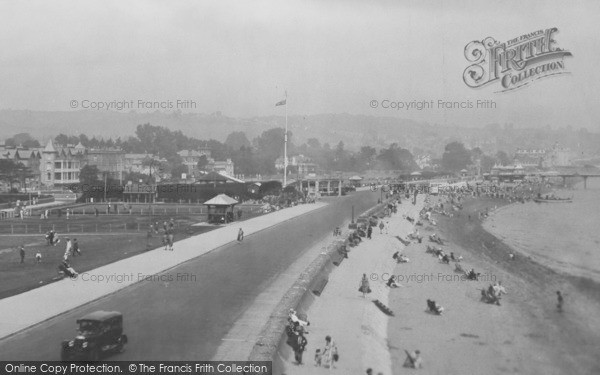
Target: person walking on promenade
{"points": [[369, 231], [22, 253], [381, 226], [68, 213], [38, 257], [170, 235], [387, 227], [364, 287], [300, 343], [559, 305], [240, 236], [330, 353]]}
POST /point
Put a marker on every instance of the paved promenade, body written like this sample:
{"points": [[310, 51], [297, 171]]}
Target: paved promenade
{"points": [[27, 309], [357, 326]]}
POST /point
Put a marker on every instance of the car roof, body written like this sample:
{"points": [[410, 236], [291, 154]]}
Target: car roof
{"points": [[100, 315]]}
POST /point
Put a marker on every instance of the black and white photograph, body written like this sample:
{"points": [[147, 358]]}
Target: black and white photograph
{"points": [[310, 187]]}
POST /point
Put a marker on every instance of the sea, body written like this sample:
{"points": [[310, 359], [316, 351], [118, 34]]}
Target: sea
{"points": [[562, 236]]}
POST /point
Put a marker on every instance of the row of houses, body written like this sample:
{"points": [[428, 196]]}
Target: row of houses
{"points": [[55, 165]]}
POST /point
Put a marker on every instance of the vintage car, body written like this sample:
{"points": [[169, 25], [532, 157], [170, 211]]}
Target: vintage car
{"points": [[98, 334]]}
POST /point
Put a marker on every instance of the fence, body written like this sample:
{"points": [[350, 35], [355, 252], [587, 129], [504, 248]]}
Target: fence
{"points": [[32, 225]]}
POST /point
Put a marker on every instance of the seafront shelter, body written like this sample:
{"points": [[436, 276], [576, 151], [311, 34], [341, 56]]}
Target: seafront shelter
{"points": [[220, 209], [314, 186]]}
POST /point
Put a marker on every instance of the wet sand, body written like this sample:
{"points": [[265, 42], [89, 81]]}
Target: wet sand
{"points": [[524, 335]]}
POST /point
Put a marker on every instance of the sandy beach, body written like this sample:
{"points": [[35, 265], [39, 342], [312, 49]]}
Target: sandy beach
{"points": [[524, 335]]}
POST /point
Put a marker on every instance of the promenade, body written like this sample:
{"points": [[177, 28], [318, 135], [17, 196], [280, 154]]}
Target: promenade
{"points": [[38, 305], [357, 326]]}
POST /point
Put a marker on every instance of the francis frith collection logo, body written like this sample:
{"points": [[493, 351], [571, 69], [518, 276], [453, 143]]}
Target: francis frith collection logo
{"points": [[515, 63]]}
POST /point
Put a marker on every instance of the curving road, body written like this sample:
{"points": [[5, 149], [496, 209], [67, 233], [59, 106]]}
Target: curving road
{"points": [[186, 319]]}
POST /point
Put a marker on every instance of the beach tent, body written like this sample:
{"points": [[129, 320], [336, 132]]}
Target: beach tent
{"points": [[220, 209]]}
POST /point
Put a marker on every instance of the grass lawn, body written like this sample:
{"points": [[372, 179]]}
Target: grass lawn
{"points": [[98, 248]]}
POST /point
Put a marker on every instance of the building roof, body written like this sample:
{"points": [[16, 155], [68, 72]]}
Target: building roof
{"points": [[216, 177], [221, 200], [49, 147]]}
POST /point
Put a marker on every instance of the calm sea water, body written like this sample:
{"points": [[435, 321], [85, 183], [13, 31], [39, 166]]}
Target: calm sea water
{"points": [[563, 236]]}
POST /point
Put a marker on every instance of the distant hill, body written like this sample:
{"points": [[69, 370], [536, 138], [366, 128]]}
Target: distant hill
{"points": [[353, 130]]}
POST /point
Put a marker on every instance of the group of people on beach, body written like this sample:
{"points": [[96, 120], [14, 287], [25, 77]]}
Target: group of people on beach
{"points": [[296, 332]]}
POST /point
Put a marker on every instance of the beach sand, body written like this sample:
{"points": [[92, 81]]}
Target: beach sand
{"points": [[525, 335]]}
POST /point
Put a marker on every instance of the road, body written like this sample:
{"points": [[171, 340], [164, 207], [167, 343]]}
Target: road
{"points": [[185, 318]]}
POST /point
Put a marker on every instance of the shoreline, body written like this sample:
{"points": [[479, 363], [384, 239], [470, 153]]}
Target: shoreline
{"points": [[518, 336]]}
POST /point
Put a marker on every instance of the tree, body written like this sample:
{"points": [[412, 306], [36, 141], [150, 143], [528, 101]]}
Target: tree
{"points": [[88, 175], [11, 171], [503, 158], [396, 158], [178, 170], [455, 157], [202, 162], [237, 140], [22, 139]]}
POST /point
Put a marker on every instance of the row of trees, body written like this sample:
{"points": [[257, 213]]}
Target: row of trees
{"points": [[250, 157], [456, 157]]}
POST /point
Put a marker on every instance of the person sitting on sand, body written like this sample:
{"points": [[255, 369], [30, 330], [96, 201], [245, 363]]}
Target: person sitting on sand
{"points": [[471, 275], [392, 282], [499, 289], [413, 360]]}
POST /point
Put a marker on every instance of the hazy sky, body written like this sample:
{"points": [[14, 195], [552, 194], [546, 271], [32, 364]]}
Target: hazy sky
{"points": [[331, 56]]}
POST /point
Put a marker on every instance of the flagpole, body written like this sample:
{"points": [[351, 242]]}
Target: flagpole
{"points": [[285, 161]]}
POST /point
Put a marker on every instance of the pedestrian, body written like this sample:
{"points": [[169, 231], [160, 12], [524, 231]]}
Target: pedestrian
{"points": [[22, 253], [381, 226], [330, 353], [96, 212], [299, 344], [46, 214], [38, 257], [240, 235], [76, 250], [369, 231], [68, 249], [318, 358], [165, 240], [170, 234], [108, 209], [68, 213], [364, 287], [387, 227], [559, 298]]}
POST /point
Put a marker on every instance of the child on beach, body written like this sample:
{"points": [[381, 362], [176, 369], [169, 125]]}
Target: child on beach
{"points": [[364, 287], [318, 358]]}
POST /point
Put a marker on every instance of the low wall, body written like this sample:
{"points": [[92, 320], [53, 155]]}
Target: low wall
{"points": [[272, 339]]}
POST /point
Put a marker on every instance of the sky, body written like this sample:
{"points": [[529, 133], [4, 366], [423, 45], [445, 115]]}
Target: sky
{"points": [[240, 58]]}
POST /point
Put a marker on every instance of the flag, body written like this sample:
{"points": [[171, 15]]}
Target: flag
{"points": [[280, 103]]}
